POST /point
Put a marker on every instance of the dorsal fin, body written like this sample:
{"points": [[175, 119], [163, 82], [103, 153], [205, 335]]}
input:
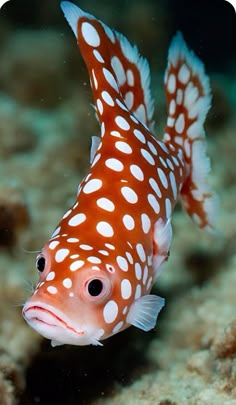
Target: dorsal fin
{"points": [[115, 67]]}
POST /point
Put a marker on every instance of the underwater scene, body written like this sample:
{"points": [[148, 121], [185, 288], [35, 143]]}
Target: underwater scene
{"points": [[115, 208]]}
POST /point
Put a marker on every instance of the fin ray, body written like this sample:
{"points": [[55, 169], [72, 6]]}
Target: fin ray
{"points": [[143, 312]]}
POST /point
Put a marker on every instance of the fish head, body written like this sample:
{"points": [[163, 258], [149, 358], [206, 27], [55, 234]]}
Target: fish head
{"points": [[75, 301]]}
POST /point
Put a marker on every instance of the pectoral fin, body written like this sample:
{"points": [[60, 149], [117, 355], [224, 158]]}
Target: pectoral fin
{"points": [[143, 312]]}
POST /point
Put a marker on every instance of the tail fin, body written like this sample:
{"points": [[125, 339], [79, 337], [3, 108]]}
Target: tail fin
{"points": [[189, 99], [116, 69]]}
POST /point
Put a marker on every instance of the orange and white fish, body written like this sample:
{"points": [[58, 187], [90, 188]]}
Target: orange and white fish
{"points": [[98, 268]]}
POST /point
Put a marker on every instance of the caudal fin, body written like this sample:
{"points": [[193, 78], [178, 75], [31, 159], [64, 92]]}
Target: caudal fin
{"points": [[116, 69], [189, 99]]}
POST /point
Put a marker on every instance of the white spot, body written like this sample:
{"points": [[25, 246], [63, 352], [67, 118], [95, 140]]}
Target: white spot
{"points": [[149, 283], [50, 276], [170, 122], [72, 240], [162, 177], [147, 156], [141, 252], [129, 99], [138, 271], [109, 246], [128, 222], [76, 265], [155, 186], [114, 164], [145, 275], [175, 160], [77, 220], [105, 229], [106, 204], [110, 311], [141, 113], [96, 159], [173, 184], [118, 327], [126, 289], [61, 255], [75, 256], [103, 252], [138, 134], [56, 232], [116, 134], [110, 79], [154, 203], [184, 74], [180, 124], [179, 140], [123, 147], [129, 194], [133, 118], [98, 56], [53, 244], [138, 292], [146, 223], [170, 164], [85, 247], [67, 283], [137, 172], [92, 185], [171, 84], [187, 148], [168, 208], [90, 34], [167, 137], [163, 146], [152, 148], [172, 107], [94, 260], [122, 263], [179, 97], [107, 98], [118, 70], [71, 294], [102, 129], [121, 104], [122, 123], [129, 257], [51, 289], [66, 214], [130, 77], [100, 106], [125, 310]]}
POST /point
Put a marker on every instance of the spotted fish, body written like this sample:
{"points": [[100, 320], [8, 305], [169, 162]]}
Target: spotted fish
{"points": [[97, 270]]}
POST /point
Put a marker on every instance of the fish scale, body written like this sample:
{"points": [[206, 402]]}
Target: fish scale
{"points": [[99, 266]]}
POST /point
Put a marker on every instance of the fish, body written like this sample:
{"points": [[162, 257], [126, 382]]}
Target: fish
{"points": [[97, 270]]}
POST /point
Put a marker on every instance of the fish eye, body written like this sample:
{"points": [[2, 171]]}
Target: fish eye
{"points": [[95, 287], [40, 263]]}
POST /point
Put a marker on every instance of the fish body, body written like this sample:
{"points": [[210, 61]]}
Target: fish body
{"points": [[99, 266]]}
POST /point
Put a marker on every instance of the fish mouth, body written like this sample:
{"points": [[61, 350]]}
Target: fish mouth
{"points": [[38, 313], [56, 326]]}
